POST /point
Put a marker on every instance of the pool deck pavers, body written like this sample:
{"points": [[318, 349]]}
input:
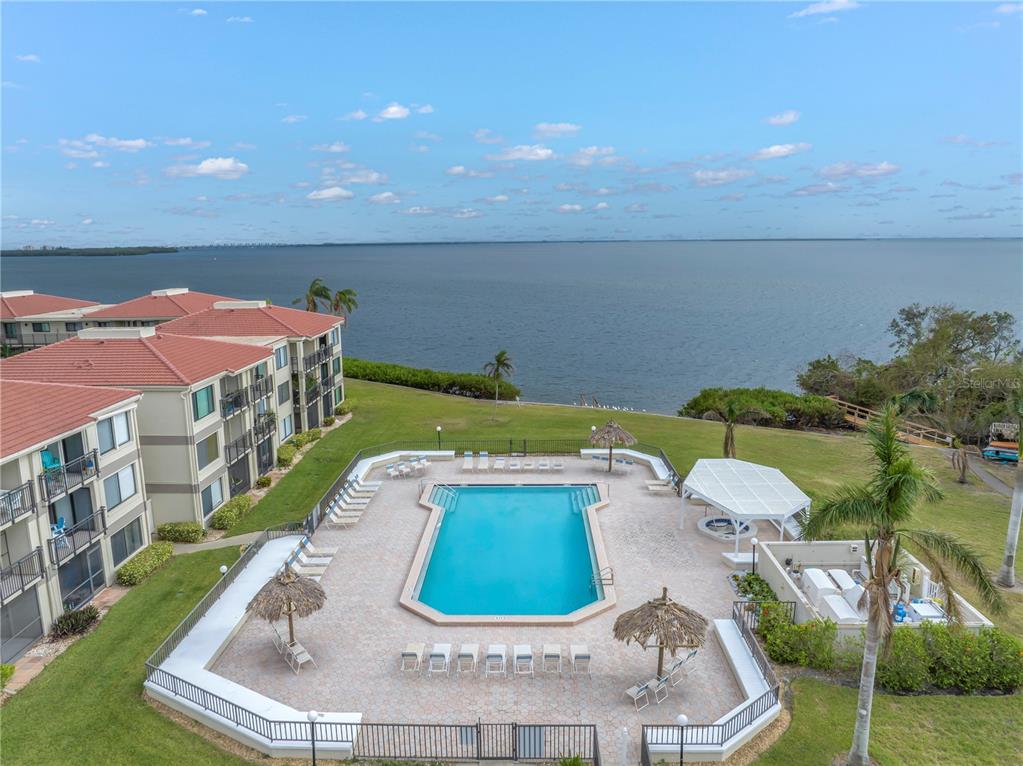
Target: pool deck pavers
{"points": [[356, 638]]}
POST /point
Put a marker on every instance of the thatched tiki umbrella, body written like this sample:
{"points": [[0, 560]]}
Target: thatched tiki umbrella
{"points": [[609, 436], [287, 594], [671, 626]]}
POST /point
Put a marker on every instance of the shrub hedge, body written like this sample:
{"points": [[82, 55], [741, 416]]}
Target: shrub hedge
{"points": [[767, 407], [754, 587], [144, 563], [73, 623], [263, 482], [285, 455], [472, 385], [230, 512], [6, 671], [342, 409], [181, 531], [329, 420]]}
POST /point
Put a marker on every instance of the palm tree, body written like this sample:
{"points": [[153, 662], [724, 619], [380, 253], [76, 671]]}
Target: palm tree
{"points": [[732, 413], [883, 508], [344, 303], [1007, 574], [497, 368], [317, 295]]}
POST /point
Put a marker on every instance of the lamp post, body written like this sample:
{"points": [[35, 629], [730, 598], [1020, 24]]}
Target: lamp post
{"points": [[682, 720], [312, 715], [753, 541], [439, 429], [223, 569]]}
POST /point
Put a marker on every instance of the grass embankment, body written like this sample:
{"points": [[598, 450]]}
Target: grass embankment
{"points": [[87, 706]]}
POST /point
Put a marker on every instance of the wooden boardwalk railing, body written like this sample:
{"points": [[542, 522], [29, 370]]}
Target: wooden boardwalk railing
{"points": [[908, 431]]}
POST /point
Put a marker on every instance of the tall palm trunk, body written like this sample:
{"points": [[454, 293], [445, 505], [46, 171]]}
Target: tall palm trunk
{"points": [[1007, 574], [859, 754], [729, 446], [497, 389]]}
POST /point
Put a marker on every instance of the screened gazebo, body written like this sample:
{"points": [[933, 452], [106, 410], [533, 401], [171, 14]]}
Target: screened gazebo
{"points": [[746, 492]]}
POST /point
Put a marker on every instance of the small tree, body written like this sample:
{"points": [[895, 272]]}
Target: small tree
{"points": [[316, 296], [343, 303], [497, 368]]}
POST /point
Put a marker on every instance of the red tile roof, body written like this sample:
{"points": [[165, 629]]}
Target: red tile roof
{"points": [[157, 360], [38, 303], [159, 306], [34, 413], [264, 321]]}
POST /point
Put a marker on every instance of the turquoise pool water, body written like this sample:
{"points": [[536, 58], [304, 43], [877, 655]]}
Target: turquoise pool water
{"points": [[511, 550]]}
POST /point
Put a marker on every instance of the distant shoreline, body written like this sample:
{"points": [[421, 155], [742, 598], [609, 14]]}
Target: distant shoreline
{"points": [[86, 252]]}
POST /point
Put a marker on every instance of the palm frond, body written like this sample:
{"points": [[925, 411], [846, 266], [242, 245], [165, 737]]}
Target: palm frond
{"points": [[849, 506], [943, 549]]}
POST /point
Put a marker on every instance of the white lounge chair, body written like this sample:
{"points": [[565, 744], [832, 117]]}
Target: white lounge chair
{"points": [[467, 657], [543, 465], [496, 661], [345, 505], [499, 463], [404, 469], [523, 654], [305, 560], [355, 491], [319, 551], [527, 465], [342, 519], [557, 465], [417, 466], [392, 471], [638, 694], [363, 484], [440, 659], [297, 656], [467, 462], [483, 463], [551, 658], [679, 669], [514, 465], [412, 657], [659, 688], [580, 655]]}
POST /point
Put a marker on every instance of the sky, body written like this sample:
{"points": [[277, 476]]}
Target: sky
{"points": [[170, 123]]}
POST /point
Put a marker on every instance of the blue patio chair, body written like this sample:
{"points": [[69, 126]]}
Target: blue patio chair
{"points": [[49, 461]]}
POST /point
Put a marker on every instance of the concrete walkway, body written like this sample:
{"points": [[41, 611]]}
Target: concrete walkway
{"points": [[993, 482], [223, 542]]}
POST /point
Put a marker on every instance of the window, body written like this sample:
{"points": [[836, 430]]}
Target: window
{"points": [[339, 395], [11, 329], [283, 392], [40, 327], [72, 326], [127, 541], [212, 497], [207, 451], [286, 428], [113, 432], [119, 487], [337, 365], [261, 406], [260, 370], [281, 356], [202, 402], [334, 336]]}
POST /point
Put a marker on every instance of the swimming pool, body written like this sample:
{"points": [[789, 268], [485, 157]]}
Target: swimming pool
{"points": [[505, 551]]}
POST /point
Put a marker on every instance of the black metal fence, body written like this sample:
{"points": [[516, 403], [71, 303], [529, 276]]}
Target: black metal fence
{"points": [[21, 574]]}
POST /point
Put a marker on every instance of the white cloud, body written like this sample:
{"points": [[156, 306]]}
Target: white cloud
{"points": [[224, 168], [30, 58], [787, 117], [10, 84], [242, 146], [497, 198], [385, 198], [187, 142], [86, 222], [420, 210], [291, 119], [1008, 8], [70, 165], [426, 135], [815, 189], [636, 207], [777, 151], [568, 209], [528, 152], [42, 222], [737, 197], [393, 111], [487, 136], [337, 147], [462, 171], [466, 212], [601, 206], [358, 114], [719, 177], [840, 170], [425, 109], [239, 19], [121, 144], [964, 140], [828, 6], [100, 164], [556, 129], [588, 155], [364, 176], [330, 194], [197, 12], [77, 149]]}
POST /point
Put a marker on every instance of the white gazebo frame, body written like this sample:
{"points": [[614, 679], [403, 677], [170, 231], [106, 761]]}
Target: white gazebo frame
{"points": [[744, 492]]}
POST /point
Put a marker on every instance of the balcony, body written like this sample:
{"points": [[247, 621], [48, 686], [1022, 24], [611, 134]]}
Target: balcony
{"points": [[261, 388], [21, 575], [263, 428], [61, 479], [67, 544], [310, 361], [233, 403], [237, 449], [17, 503]]}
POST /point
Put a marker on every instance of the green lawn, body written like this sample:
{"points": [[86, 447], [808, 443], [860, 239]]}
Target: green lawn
{"points": [[87, 707], [905, 731]]}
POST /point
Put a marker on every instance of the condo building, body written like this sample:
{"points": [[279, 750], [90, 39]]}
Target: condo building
{"points": [[155, 308], [32, 319]]}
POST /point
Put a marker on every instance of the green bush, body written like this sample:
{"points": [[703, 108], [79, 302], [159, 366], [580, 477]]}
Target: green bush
{"points": [[227, 515], [811, 644], [144, 563], [906, 666], [472, 385], [263, 482], [298, 441], [181, 531], [73, 623], [342, 409], [754, 587], [329, 420], [767, 407], [1005, 660], [958, 660], [285, 454], [313, 434], [6, 671]]}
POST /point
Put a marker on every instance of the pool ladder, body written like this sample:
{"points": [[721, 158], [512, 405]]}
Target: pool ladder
{"points": [[443, 491], [605, 576]]}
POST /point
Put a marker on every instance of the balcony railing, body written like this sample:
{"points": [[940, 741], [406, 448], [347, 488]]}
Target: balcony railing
{"points": [[21, 575], [310, 361], [61, 479], [261, 388], [237, 449], [67, 544], [233, 403], [264, 427], [16, 503]]}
